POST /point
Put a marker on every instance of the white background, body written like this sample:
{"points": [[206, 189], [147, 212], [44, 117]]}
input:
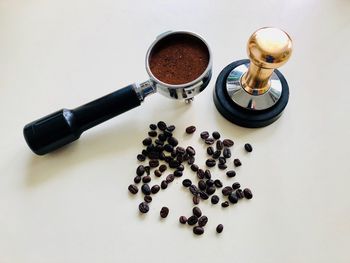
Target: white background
{"points": [[73, 205]]}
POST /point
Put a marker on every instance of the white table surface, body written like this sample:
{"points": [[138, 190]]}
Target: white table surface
{"points": [[73, 205]]}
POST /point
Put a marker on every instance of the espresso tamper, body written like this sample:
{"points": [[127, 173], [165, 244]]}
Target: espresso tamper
{"points": [[253, 93]]}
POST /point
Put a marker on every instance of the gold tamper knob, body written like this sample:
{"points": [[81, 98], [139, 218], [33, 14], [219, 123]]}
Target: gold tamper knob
{"points": [[268, 48]]}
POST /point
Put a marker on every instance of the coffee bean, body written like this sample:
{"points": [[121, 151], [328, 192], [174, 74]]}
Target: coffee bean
{"points": [[143, 207], [218, 183], [233, 198], [228, 143], [137, 179], [198, 230], [201, 185], [190, 129], [170, 178], [192, 220], [247, 193], [239, 193], [153, 163], [194, 167], [194, 189], [203, 195], [210, 190], [210, 150], [216, 135], [168, 159], [216, 154], [225, 204], [248, 147], [157, 173], [155, 189], [153, 155], [178, 173], [237, 162], [158, 142], [152, 133], [162, 137], [222, 166], [179, 158], [181, 167], [141, 157], [191, 160], [186, 157], [145, 153], [173, 141], [197, 211], [153, 127], [162, 168], [164, 212], [209, 141], [204, 135], [147, 141], [147, 198], [171, 128], [209, 182], [210, 162], [140, 170], [207, 174], [200, 174], [168, 133], [173, 153], [161, 125], [161, 156], [219, 145], [146, 190], [187, 183], [219, 228], [183, 219], [226, 153], [215, 199], [202, 221], [174, 164], [168, 148], [231, 173], [163, 185], [180, 150], [222, 160], [191, 151], [236, 185], [227, 190], [147, 170], [146, 179], [195, 199], [133, 189]]}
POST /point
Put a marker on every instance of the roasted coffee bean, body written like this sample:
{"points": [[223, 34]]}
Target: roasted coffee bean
{"points": [[198, 230], [219, 145], [141, 157], [173, 141], [226, 153], [159, 149], [137, 179], [133, 189], [178, 173], [181, 167], [228, 143], [201, 185], [173, 153], [197, 211], [170, 178], [158, 142], [219, 228], [191, 160], [180, 150], [222, 160], [146, 190], [186, 157], [161, 156], [222, 166], [147, 198], [216, 135], [155, 189], [180, 158], [210, 150], [147, 141], [168, 148], [191, 151], [186, 183], [195, 199], [164, 212], [171, 128], [216, 154], [237, 162], [207, 174], [143, 207], [194, 167], [140, 170], [204, 135], [248, 147], [168, 159], [218, 183], [194, 189], [153, 127], [210, 190], [153, 155], [227, 190], [192, 220], [152, 133], [190, 129], [174, 164], [202, 221], [146, 179], [147, 170], [144, 152], [162, 168], [209, 182], [183, 219], [236, 185], [200, 174], [168, 133], [239, 193], [161, 125], [150, 148], [153, 163], [233, 198], [157, 173], [209, 141], [215, 199], [210, 162], [231, 173], [203, 195], [163, 185], [247, 193], [162, 137], [225, 204]]}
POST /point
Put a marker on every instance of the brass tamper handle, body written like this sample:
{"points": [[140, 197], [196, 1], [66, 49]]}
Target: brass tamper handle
{"points": [[268, 48]]}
